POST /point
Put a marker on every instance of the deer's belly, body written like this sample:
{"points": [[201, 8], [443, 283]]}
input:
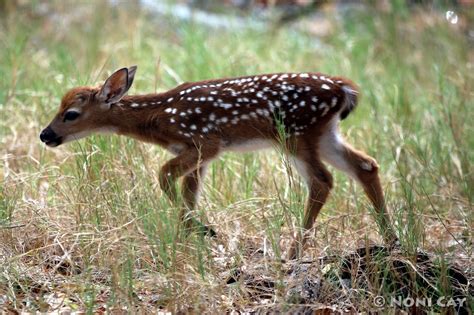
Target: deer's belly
{"points": [[248, 145]]}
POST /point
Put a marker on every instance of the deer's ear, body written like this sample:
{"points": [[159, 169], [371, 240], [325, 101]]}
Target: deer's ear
{"points": [[131, 74], [116, 86]]}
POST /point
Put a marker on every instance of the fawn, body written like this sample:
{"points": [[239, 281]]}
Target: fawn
{"points": [[198, 121]]}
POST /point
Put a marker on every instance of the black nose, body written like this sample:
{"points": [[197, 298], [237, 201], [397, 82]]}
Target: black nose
{"points": [[48, 135]]}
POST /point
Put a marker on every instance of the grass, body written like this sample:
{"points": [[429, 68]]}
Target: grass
{"points": [[86, 226]]}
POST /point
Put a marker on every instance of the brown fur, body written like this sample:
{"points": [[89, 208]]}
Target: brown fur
{"points": [[225, 113]]}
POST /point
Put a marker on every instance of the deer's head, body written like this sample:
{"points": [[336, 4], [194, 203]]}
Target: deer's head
{"points": [[83, 110]]}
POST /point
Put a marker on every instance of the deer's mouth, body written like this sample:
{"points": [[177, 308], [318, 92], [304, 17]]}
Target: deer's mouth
{"points": [[55, 142]]}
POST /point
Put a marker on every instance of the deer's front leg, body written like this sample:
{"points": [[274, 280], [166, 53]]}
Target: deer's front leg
{"points": [[189, 164], [192, 183]]}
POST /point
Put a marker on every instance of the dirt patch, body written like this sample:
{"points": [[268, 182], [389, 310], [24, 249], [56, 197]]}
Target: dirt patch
{"points": [[416, 284]]}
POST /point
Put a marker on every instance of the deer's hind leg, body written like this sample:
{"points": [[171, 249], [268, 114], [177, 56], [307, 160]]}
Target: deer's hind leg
{"points": [[362, 168], [319, 182]]}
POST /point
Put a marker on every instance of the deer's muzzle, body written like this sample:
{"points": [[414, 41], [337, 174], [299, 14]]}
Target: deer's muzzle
{"points": [[50, 138]]}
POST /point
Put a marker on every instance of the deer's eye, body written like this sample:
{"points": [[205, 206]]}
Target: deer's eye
{"points": [[71, 115]]}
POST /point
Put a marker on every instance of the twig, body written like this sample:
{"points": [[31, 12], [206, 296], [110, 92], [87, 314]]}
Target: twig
{"points": [[14, 226]]}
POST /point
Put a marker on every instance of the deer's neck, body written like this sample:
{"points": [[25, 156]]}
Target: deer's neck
{"points": [[138, 116]]}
